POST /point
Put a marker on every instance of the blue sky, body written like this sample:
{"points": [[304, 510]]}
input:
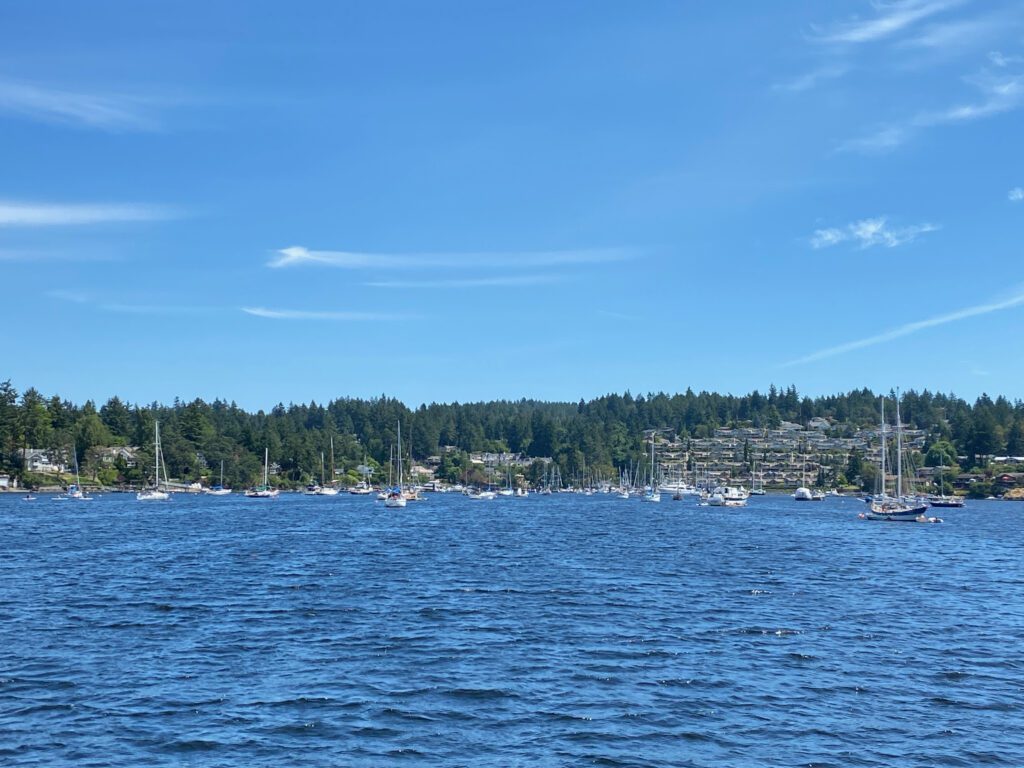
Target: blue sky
{"points": [[471, 200]]}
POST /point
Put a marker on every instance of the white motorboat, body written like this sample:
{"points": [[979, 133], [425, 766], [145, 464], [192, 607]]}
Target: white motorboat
{"points": [[728, 496]]}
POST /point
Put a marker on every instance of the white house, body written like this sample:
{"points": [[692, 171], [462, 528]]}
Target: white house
{"points": [[41, 460]]}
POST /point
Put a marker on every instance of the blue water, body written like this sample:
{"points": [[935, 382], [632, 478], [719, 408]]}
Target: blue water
{"points": [[547, 631]]}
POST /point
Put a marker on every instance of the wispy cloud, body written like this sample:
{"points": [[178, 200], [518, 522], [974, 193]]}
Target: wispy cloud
{"points": [[812, 79], [1016, 194], [111, 112], [1001, 60], [300, 256], [153, 308], [507, 281], [1016, 300], [23, 214], [867, 233], [76, 297], [158, 309], [303, 314], [999, 94], [891, 18], [617, 315], [961, 34]]}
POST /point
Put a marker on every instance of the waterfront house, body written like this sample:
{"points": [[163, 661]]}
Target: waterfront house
{"points": [[114, 454], [42, 460]]}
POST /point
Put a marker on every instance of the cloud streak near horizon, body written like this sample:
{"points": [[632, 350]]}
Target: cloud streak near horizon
{"points": [[303, 314], [110, 112], [300, 256], [907, 329], [472, 282], [23, 214]]}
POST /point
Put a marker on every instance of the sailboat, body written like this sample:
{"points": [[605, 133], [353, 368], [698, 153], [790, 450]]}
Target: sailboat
{"points": [[74, 491], [651, 493], [219, 489], [395, 498], [507, 490], [756, 482], [263, 491], [942, 500], [896, 508], [325, 488], [154, 493], [364, 487]]}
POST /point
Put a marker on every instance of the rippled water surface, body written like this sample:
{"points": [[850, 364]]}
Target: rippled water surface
{"points": [[545, 631]]}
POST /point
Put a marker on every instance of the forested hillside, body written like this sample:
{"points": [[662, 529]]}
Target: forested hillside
{"points": [[597, 436]]}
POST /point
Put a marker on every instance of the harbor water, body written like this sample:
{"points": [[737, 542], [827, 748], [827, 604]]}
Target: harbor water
{"points": [[547, 631]]}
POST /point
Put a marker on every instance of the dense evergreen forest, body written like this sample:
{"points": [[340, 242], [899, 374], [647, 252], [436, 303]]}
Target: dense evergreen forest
{"points": [[596, 437]]}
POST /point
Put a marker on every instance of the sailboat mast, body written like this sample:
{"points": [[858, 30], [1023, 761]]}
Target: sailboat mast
{"points": [[899, 450], [266, 465], [399, 454], [156, 456], [884, 447]]}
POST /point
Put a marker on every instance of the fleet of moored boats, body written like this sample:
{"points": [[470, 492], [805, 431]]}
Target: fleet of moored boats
{"points": [[899, 506]]}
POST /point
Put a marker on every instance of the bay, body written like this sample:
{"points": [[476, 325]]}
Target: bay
{"points": [[546, 631]]}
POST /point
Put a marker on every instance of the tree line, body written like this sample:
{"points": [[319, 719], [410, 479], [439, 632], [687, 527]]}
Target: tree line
{"points": [[586, 438]]}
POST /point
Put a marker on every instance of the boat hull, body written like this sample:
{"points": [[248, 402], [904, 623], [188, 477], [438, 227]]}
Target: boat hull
{"points": [[152, 496], [271, 494], [912, 514]]}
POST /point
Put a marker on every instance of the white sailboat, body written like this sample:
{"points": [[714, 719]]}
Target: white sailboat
{"points": [[154, 493], [651, 494], [395, 499], [364, 487], [756, 482], [327, 489], [74, 492], [219, 489], [263, 491], [507, 490]]}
